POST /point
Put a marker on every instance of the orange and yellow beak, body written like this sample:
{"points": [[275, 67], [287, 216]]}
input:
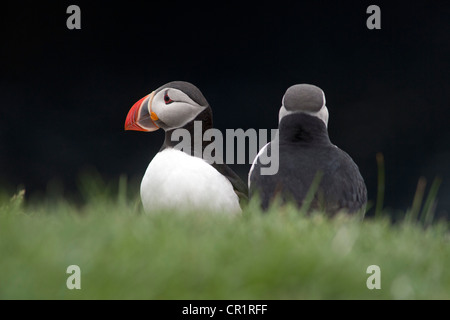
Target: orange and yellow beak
{"points": [[140, 117]]}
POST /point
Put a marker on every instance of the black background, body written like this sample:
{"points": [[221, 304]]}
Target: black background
{"points": [[65, 93]]}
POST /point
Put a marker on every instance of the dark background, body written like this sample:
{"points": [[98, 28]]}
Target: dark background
{"points": [[65, 93]]}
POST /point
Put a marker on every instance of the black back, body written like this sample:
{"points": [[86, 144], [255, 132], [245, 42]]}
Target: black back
{"points": [[304, 152]]}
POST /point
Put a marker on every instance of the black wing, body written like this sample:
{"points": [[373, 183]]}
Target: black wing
{"points": [[239, 186]]}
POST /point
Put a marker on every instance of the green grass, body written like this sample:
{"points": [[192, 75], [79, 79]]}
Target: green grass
{"points": [[125, 254]]}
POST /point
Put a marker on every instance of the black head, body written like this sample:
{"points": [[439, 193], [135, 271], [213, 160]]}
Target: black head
{"points": [[304, 98]]}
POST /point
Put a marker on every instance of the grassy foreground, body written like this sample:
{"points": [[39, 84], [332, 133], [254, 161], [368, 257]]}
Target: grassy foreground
{"points": [[125, 254]]}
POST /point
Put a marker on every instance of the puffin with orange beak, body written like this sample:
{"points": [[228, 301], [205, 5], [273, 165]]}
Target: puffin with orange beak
{"points": [[182, 180]]}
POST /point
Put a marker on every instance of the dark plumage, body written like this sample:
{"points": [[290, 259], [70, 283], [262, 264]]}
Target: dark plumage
{"points": [[305, 151]]}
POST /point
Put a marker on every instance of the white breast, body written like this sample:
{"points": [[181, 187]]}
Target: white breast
{"points": [[177, 181]]}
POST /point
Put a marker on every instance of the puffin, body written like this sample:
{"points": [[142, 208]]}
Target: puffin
{"points": [[306, 155], [176, 178]]}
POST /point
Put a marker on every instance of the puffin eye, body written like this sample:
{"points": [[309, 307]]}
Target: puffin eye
{"points": [[167, 99]]}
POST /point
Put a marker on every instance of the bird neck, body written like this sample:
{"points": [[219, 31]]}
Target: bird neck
{"points": [[303, 128], [205, 118]]}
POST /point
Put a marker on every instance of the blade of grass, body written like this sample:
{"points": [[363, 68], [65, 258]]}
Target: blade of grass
{"points": [[429, 207], [381, 184], [413, 214], [122, 191], [306, 205]]}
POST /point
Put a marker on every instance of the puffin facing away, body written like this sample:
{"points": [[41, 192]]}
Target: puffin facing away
{"points": [[306, 152], [177, 180]]}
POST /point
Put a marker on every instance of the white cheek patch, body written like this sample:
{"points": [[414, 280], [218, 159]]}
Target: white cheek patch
{"points": [[179, 96], [322, 114], [177, 113], [323, 98]]}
